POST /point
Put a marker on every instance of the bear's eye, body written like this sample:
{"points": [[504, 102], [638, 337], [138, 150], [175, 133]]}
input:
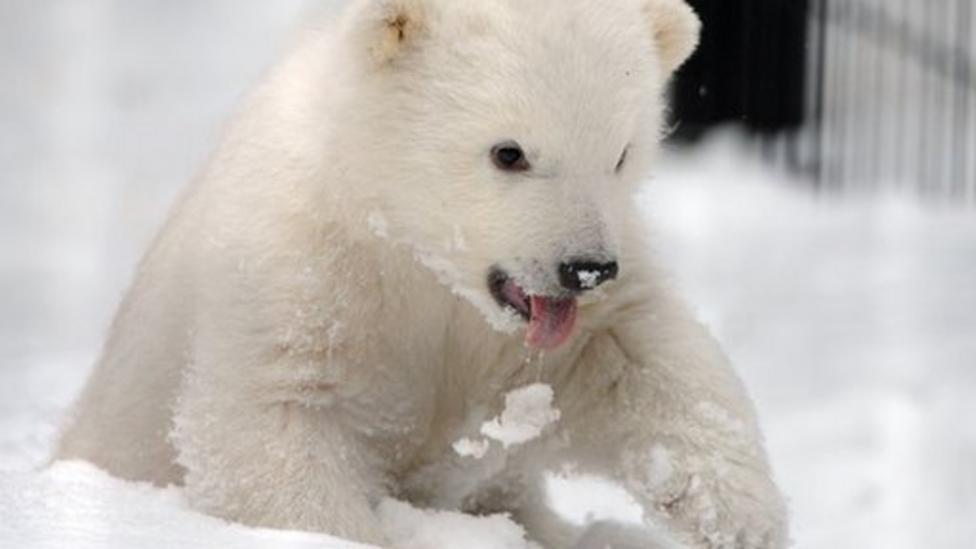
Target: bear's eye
{"points": [[623, 159], [509, 157]]}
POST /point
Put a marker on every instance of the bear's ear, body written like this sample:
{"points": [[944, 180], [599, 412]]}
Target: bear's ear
{"points": [[385, 29], [676, 28]]}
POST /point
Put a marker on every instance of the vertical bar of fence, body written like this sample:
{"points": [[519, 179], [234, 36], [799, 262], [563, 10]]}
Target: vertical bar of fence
{"points": [[901, 99], [842, 60], [817, 86], [943, 70], [917, 44], [888, 53], [961, 151], [832, 128], [923, 111], [971, 84], [877, 90], [856, 93], [970, 141], [857, 97]]}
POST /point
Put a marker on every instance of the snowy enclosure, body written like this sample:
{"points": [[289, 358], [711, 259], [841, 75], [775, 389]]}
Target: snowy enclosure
{"points": [[852, 318]]}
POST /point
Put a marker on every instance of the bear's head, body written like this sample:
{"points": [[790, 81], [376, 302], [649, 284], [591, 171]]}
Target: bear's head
{"points": [[501, 140]]}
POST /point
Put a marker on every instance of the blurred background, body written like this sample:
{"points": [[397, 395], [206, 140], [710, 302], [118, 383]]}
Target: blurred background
{"points": [[855, 94], [816, 203]]}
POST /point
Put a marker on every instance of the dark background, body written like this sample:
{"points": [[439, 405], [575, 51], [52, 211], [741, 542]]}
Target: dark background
{"points": [[750, 68]]}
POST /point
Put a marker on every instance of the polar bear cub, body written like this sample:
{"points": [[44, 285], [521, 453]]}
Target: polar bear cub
{"points": [[427, 206]]}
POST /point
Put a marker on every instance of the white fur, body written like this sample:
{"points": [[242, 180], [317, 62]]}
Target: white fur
{"points": [[312, 329]]}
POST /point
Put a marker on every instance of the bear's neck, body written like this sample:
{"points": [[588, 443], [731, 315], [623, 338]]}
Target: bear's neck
{"points": [[457, 343]]}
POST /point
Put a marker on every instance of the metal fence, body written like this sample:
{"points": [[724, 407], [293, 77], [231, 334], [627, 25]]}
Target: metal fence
{"points": [[892, 98], [853, 93]]}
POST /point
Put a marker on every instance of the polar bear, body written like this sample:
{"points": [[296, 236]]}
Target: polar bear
{"points": [[427, 205]]}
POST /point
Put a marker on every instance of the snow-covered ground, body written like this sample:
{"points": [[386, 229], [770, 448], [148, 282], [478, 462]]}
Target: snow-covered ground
{"points": [[852, 319]]}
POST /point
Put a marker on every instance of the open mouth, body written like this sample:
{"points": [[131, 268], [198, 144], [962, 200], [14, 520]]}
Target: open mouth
{"points": [[550, 318]]}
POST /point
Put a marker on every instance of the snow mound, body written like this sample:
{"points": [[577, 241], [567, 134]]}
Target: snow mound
{"points": [[74, 504], [423, 529]]}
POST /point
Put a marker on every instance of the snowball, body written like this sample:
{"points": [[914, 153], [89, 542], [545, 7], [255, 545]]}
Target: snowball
{"points": [[528, 411], [467, 447]]}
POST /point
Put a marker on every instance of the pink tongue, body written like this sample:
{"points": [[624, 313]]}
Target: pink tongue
{"points": [[551, 323]]}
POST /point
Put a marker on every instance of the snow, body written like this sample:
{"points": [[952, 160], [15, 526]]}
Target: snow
{"points": [[851, 318], [588, 279], [75, 505], [528, 411], [433, 529], [603, 501], [473, 448]]}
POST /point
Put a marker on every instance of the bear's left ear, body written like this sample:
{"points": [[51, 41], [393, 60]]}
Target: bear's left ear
{"points": [[386, 29], [676, 28]]}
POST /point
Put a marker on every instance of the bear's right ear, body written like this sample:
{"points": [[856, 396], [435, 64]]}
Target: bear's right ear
{"points": [[676, 29], [386, 29]]}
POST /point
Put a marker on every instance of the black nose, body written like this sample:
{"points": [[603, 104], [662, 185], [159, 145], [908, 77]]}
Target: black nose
{"points": [[580, 276]]}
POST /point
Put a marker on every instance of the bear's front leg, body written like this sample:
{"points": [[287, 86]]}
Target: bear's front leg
{"points": [[673, 423], [255, 455]]}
